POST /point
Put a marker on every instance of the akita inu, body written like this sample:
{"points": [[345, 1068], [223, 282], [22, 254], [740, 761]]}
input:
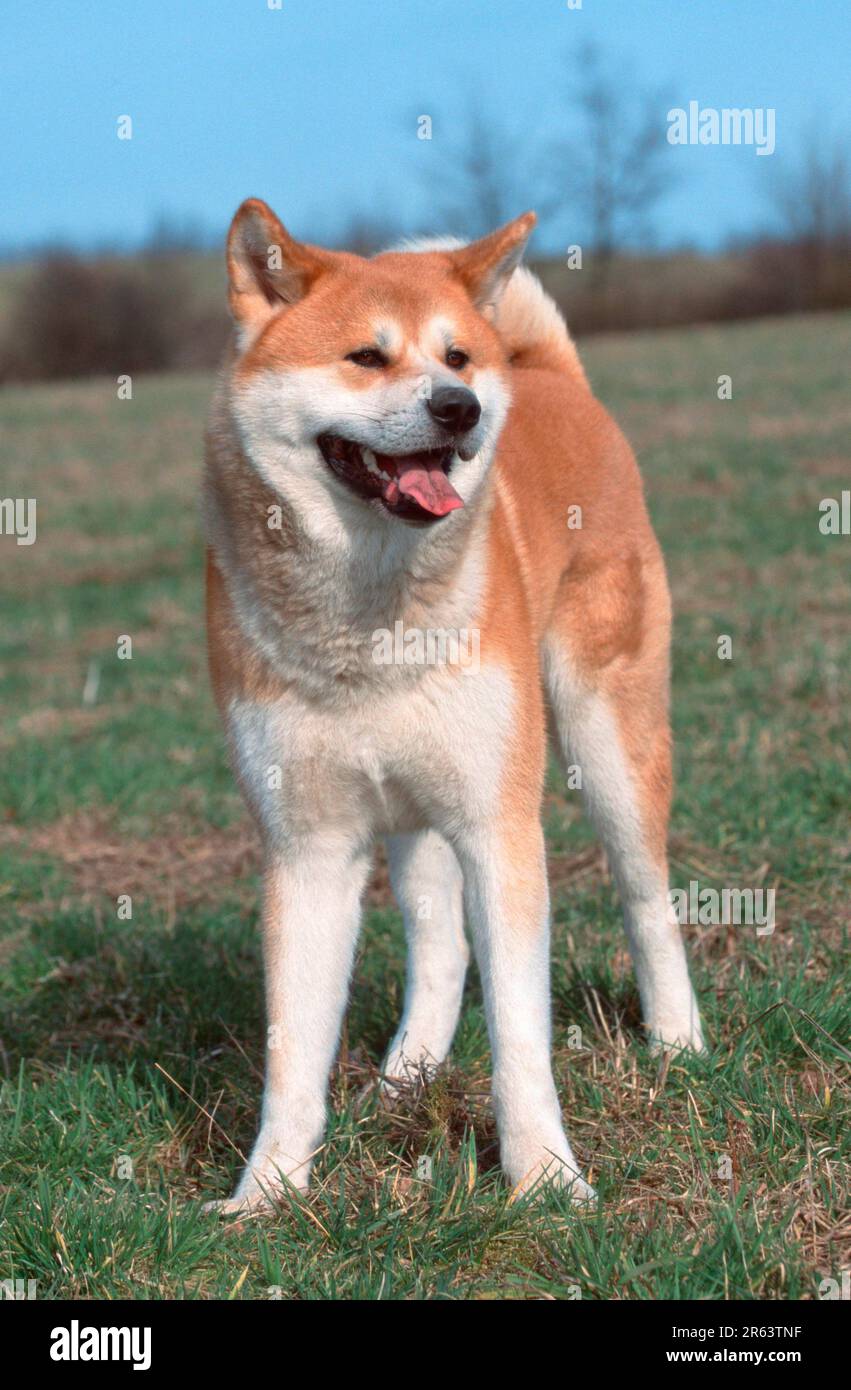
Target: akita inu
{"points": [[412, 439]]}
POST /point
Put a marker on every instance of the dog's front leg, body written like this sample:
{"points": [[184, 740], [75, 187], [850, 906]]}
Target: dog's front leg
{"points": [[508, 908], [311, 912]]}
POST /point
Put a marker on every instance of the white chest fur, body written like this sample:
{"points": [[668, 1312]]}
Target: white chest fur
{"points": [[427, 752]]}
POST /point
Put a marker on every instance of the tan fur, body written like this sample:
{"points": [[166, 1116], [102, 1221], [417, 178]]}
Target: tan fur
{"points": [[577, 618], [601, 589]]}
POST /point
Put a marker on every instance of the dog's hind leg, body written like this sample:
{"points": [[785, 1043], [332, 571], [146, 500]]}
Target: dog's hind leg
{"points": [[426, 880], [612, 724]]}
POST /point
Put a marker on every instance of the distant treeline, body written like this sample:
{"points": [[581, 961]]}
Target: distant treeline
{"points": [[600, 176], [69, 316], [66, 316]]}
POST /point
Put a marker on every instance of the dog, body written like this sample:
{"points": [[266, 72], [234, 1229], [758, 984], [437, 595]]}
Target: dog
{"points": [[409, 443]]}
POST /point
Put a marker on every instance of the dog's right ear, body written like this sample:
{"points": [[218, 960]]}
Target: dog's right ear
{"points": [[267, 268]]}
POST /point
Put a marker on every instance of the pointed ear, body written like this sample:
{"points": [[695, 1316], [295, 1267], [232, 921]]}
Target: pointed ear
{"points": [[266, 267], [484, 267]]}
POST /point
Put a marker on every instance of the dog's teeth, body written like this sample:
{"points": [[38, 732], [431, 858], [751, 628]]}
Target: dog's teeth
{"points": [[373, 465]]}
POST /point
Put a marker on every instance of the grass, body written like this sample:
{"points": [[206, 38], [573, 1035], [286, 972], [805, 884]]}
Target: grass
{"points": [[132, 1049]]}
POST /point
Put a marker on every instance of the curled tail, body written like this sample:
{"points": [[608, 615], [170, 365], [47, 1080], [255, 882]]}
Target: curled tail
{"points": [[531, 325]]}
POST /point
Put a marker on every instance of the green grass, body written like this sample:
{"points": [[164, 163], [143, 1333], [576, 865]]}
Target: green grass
{"points": [[132, 1050]]}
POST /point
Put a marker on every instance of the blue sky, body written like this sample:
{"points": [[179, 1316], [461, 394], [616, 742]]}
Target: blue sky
{"points": [[313, 106]]}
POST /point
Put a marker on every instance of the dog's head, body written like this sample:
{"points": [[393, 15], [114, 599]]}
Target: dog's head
{"points": [[379, 385]]}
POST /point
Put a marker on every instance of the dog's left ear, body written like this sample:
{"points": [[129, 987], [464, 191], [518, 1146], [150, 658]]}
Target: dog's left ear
{"points": [[485, 267]]}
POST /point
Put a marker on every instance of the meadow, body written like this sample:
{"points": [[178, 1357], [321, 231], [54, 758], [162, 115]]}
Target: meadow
{"points": [[131, 1049]]}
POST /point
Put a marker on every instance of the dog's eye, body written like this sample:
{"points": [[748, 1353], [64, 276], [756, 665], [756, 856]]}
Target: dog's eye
{"points": [[367, 357], [456, 359]]}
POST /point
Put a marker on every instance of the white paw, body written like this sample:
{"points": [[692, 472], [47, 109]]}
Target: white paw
{"points": [[271, 1172], [403, 1074], [671, 1035], [236, 1206], [531, 1165], [672, 1020]]}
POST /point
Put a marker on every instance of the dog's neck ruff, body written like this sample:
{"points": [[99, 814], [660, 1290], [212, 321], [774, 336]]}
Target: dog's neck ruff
{"points": [[312, 605]]}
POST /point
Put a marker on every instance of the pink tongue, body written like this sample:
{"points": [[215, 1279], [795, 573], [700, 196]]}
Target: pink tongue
{"points": [[427, 484]]}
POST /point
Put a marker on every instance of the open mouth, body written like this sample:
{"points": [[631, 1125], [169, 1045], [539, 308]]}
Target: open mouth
{"points": [[413, 487]]}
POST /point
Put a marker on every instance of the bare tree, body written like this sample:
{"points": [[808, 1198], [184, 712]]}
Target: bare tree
{"points": [[813, 193], [615, 166], [476, 185]]}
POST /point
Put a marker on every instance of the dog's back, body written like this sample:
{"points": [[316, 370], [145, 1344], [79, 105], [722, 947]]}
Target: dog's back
{"points": [[570, 517]]}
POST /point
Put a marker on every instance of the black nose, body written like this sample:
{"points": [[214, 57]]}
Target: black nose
{"points": [[455, 407]]}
